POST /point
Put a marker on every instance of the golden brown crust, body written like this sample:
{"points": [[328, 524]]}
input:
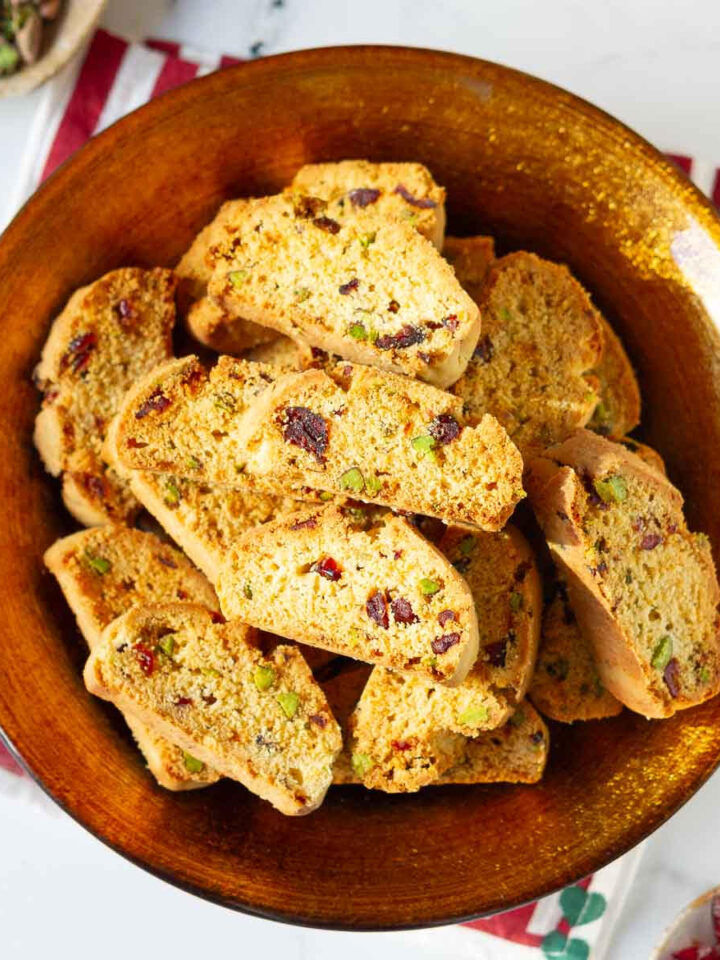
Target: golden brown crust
{"points": [[471, 258], [619, 409]]}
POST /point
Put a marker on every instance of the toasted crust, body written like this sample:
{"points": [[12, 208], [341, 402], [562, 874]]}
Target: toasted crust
{"points": [[103, 572], [471, 258], [261, 720], [619, 409], [231, 427], [369, 603], [541, 337], [109, 334], [359, 184], [345, 286], [642, 586]]}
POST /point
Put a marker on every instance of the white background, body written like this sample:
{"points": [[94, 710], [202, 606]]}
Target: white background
{"points": [[655, 64]]}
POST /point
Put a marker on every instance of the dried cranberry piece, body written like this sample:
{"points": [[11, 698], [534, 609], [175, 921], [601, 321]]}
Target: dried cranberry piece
{"points": [[445, 428], [401, 745], [422, 203], [451, 322], [484, 350], [407, 336], [327, 224], [167, 561], [443, 644], [715, 913], [497, 653], [536, 737], [308, 524], [671, 676], [444, 616], [403, 611], [650, 541], [217, 617], [182, 701], [364, 196], [348, 287], [145, 658], [155, 403], [95, 485], [306, 430], [181, 594], [319, 719], [393, 306], [306, 207], [209, 699], [77, 355], [328, 568], [135, 444], [124, 311], [376, 607]]}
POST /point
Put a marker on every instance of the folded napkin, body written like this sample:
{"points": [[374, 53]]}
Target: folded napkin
{"points": [[114, 77]]}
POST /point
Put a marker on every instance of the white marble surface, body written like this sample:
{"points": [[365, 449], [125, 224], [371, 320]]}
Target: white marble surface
{"points": [[653, 63]]}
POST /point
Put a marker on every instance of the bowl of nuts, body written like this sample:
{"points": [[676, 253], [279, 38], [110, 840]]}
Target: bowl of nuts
{"points": [[38, 38]]}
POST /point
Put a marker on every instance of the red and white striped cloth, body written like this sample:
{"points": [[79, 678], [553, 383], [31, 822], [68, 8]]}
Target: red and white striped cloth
{"points": [[116, 76]]}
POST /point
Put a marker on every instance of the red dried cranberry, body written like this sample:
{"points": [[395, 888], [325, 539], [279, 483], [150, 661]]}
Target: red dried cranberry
{"points": [[328, 568], [320, 719], [451, 322], [497, 653], [397, 554], [95, 485], [484, 350], [181, 594], [327, 224], [306, 207], [308, 524], [364, 196], [443, 644], [422, 203], [445, 616], [155, 403], [77, 355], [209, 699], [182, 701], [217, 617], [445, 428], [650, 541], [376, 608], [306, 430], [715, 913], [167, 561], [135, 444], [348, 287], [403, 611], [536, 737], [671, 676], [401, 745], [393, 306], [145, 658], [407, 336], [125, 312]]}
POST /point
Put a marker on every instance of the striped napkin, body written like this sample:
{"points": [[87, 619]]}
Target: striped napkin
{"points": [[116, 76]]}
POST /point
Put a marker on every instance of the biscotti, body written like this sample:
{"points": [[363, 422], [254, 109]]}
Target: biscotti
{"points": [[566, 685], [359, 432], [401, 191], [375, 591], [369, 289], [471, 258], [618, 411], [109, 334], [540, 339], [642, 586], [259, 719], [103, 572]]}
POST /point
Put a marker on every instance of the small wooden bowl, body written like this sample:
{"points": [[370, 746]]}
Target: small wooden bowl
{"points": [[62, 38], [540, 170]]}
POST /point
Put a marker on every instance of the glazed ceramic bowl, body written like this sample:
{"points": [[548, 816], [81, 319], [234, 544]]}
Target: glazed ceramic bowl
{"points": [[62, 39], [522, 160]]}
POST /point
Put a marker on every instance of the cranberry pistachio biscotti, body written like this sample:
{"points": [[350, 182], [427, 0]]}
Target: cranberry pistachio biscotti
{"points": [[642, 586], [259, 719], [372, 590], [109, 334], [369, 289], [349, 430], [103, 572]]}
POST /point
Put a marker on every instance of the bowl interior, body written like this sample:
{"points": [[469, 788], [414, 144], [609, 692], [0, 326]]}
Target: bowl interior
{"points": [[522, 160]]}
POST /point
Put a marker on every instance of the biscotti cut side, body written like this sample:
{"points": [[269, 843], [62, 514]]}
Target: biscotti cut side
{"points": [[541, 338], [642, 586], [102, 573], [373, 591], [109, 334], [290, 355], [471, 258], [618, 411], [384, 439], [401, 191], [212, 325], [566, 685], [349, 287], [259, 719]]}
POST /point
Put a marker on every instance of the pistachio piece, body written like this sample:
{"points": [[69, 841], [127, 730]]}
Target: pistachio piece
{"points": [[289, 703], [264, 677], [192, 765], [473, 715], [429, 587], [662, 653], [611, 489], [362, 764], [100, 565], [352, 480]]}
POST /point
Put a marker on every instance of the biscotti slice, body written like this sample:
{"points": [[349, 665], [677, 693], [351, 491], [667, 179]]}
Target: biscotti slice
{"points": [[402, 191], [618, 411], [205, 319], [642, 586], [290, 355], [375, 591], [541, 337], [259, 719], [361, 432], [109, 334], [103, 572], [566, 685], [367, 288], [471, 258]]}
